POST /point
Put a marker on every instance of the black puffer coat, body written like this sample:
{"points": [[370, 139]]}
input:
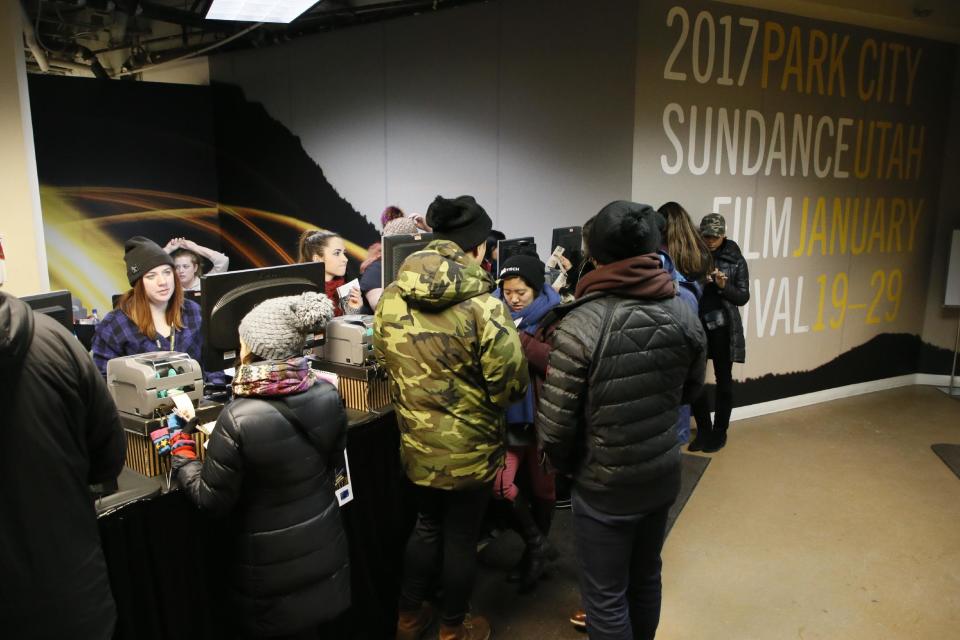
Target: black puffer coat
{"points": [[729, 259], [290, 553], [618, 372], [59, 433]]}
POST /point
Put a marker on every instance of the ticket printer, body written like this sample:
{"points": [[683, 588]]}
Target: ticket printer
{"points": [[349, 340], [140, 384]]}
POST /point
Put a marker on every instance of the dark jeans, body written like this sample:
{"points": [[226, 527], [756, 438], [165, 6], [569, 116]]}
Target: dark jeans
{"points": [[718, 348], [619, 558], [444, 543]]}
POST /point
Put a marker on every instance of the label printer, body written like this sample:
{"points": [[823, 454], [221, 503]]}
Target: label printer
{"points": [[140, 384], [349, 340]]}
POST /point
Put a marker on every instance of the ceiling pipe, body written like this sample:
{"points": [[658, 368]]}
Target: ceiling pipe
{"points": [[193, 54], [30, 38]]}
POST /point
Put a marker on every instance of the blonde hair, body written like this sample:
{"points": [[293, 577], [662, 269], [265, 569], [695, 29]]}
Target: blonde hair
{"points": [[684, 243]]}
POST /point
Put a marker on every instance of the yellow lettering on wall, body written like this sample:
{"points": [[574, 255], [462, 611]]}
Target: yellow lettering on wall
{"points": [[771, 52], [876, 230], [818, 228], [816, 56], [803, 227], [882, 126], [915, 151], [912, 65], [896, 153], [898, 210], [840, 227], [857, 247], [861, 164], [914, 220], [866, 92], [837, 77], [895, 50], [793, 64]]}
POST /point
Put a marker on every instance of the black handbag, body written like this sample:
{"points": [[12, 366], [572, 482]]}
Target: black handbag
{"points": [[714, 319]]}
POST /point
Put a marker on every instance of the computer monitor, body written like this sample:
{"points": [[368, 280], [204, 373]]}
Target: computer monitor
{"points": [[397, 248], [513, 247], [229, 296], [56, 304], [570, 238]]}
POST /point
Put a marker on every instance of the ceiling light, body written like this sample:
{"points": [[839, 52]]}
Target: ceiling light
{"points": [[258, 10]]}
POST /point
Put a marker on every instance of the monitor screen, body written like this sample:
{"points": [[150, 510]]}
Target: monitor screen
{"points": [[56, 304], [570, 238], [229, 296], [397, 248], [513, 247]]}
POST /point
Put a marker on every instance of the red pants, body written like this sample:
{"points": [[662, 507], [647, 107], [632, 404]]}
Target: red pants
{"points": [[541, 483]]}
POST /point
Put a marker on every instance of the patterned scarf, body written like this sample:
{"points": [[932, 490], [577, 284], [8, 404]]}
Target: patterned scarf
{"points": [[274, 378]]}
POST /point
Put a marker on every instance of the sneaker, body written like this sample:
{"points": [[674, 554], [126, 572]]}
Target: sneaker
{"points": [[562, 504], [472, 628], [579, 620], [411, 625]]}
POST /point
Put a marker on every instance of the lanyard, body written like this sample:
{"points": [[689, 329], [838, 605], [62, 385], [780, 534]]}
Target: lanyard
{"points": [[173, 340]]}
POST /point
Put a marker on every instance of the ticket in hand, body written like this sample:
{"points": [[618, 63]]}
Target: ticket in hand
{"points": [[554, 260], [344, 290]]}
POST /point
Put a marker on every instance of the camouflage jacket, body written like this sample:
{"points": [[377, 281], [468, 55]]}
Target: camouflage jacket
{"points": [[455, 363]]}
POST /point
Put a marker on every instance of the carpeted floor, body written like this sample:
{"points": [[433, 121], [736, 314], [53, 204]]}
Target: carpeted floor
{"points": [[543, 613]]}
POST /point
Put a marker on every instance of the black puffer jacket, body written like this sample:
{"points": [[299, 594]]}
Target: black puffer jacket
{"points": [[618, 371], [290, 551], [59, 432], [729, 259]]}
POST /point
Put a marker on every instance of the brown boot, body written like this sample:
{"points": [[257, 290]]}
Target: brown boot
{"points": [[472, 628], [412, 624]]}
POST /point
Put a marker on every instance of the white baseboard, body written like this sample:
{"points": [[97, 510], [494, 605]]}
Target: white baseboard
{"points": [[935, 380], [807, 399]]}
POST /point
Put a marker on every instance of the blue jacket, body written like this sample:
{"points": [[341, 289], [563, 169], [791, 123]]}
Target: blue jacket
{"points": [[524, 411], [688, 290]]}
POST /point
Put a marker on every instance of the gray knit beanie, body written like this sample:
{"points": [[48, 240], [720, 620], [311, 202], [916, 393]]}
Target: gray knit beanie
{"points": [[277, 329]]}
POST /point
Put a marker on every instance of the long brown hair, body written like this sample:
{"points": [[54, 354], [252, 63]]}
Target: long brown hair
{"points": [[135, 304], [685, 245], [313, 242]]}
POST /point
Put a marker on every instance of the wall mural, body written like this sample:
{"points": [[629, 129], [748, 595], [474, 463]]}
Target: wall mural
{"points": [[149, 159], [821, 145]]}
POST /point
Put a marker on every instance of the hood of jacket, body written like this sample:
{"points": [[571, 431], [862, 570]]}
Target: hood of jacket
{"points": [[441, 276], [16, 330], [636, 277]]}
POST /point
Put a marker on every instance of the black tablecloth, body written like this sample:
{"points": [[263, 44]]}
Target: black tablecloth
{"points": [[165, 569]]}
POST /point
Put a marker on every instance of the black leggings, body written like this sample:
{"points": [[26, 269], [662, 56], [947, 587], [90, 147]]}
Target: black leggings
{"points": [[718, 348], [444, 543]]}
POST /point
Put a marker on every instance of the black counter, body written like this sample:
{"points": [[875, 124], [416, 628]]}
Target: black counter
{"points": [[167, 575]]}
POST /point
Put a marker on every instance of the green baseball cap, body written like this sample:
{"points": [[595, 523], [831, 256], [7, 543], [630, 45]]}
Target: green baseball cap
{"points": [[714, 225]]}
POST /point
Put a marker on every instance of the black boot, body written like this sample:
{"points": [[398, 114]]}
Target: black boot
{"points": [[703, 439], [718, 440], [700, 410], [538, 547], [543, 516]]}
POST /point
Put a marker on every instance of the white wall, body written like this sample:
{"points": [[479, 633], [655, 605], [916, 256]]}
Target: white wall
{"points": [[527, 105], [21, 225]]}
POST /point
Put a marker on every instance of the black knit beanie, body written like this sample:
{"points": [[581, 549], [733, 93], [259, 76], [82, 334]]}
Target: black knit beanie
{"points": [[142, 255], [622, 230], [459, 220], [529, 268]]}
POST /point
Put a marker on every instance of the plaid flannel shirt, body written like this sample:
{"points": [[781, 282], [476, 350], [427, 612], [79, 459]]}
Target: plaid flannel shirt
{"points": [[117, 335]]}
